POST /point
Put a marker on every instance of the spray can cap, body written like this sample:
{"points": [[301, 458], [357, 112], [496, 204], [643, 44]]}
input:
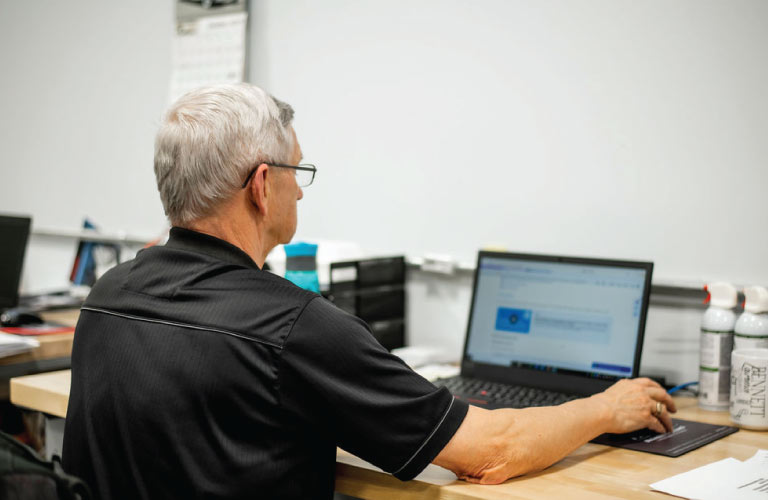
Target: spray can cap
{"points": [[755, 299], [721, 295]]}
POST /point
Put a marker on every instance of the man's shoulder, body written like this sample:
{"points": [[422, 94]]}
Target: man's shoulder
{"points": [[112, 276], [209, 293], [323, 309], [321, 321], [163, 271]]}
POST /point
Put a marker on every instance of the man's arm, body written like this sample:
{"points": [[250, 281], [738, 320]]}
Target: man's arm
{"points": [[492, 446]]}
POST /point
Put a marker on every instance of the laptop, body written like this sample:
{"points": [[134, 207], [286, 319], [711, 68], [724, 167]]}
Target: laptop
{"points": [[545, 329], [14, 232]]}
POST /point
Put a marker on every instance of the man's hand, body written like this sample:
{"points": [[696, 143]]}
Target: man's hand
{"points": [[631, 405]]}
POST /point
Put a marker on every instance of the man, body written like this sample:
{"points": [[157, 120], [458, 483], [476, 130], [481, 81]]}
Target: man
{"points": [[195, 374]]}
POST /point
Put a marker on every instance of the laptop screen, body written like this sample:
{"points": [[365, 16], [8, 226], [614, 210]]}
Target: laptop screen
{"points": [[576, 316], [13, 235]]}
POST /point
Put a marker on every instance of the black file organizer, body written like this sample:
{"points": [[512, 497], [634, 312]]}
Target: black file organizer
{"points": [[374, 291]]}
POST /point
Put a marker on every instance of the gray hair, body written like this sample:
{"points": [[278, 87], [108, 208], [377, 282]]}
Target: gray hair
{"points": [[209, 139]]}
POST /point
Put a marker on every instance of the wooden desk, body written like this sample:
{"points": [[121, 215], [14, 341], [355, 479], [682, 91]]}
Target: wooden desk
{"points": [[44, 392], [53, 354], [593, 471]]}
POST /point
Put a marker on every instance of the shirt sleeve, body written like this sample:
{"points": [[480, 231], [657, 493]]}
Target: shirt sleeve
{"points": [[334, 374]]}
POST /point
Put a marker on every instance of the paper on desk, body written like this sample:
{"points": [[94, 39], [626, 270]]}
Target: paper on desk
{"points": [[432, 474], [436, 371], [728, 478], [761, 458], [13, 344]]}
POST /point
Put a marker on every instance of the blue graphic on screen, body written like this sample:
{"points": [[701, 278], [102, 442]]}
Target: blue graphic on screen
{"points": [[556, 315], [613, 368], [513, 320]]}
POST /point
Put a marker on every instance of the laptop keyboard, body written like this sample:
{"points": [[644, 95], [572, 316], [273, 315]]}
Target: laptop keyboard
{"points": [[497, 395]]}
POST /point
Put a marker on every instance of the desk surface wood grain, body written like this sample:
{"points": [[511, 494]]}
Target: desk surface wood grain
{"points": [[592, 471]]}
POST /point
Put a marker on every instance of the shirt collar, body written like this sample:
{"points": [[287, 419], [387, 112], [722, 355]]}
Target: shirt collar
{"points": [[187, 239]]}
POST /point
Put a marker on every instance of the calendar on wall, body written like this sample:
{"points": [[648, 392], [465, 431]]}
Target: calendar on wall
{"points": [[209, 44]]}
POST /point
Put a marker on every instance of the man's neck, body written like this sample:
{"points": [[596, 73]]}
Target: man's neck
{"points": [[230, 226]]}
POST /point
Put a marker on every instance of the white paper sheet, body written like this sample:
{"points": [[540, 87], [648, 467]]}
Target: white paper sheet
{"points": [[15, 344], [728, 478], [760, 458], [208, 50], [432, 474]]}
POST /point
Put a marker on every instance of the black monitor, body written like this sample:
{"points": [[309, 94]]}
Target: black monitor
{"points": [[14, 232]]}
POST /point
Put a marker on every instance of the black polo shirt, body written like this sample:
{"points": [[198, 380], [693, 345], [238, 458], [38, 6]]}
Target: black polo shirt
{"points": [[197, 375]]}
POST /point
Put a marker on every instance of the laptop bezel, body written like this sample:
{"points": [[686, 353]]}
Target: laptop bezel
{"points": [[558, 381]]}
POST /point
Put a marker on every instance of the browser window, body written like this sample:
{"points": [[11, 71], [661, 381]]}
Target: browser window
{"points": [[556, 316]]}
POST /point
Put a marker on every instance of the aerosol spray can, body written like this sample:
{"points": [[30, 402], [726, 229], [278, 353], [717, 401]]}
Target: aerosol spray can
{"points": [[751, 329], [716, 346]]}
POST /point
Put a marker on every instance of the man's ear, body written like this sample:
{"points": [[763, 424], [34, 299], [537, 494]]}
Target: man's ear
{"points": [[258, 188]]}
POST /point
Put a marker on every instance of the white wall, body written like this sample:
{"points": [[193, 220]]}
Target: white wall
{"points": [[596, 127], [599, 127], [84, 84]]}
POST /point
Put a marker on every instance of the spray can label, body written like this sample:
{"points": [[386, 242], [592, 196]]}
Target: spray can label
{"points": [[714, 388], [716, 348], [750, 341], [715, 369]]}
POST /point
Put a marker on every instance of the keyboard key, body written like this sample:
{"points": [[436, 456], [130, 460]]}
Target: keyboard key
{"points": [[497, 395]]}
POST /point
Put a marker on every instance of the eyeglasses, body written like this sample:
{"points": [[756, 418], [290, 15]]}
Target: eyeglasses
{"points": [[305, 173]]}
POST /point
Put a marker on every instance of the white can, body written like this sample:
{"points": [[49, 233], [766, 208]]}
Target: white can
{"points": [[716, 344], [748, 385], [751, 329], [714, 388]]}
